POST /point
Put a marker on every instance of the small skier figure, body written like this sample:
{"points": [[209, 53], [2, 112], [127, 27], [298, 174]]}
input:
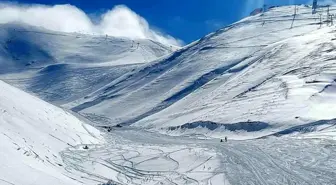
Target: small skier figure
{"points": [[221, 140], [226, 139], [85, 147]]}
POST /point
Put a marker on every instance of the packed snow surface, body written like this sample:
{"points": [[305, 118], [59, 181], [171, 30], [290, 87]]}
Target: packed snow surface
{"points": [[148, 158]]}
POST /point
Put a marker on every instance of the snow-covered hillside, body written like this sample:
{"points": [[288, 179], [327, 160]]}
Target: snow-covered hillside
{"points": [[62, 67], [266, 83], [266, 68], [32, 135]]}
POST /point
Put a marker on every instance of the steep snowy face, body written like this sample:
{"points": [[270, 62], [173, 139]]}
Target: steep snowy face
{"points": [[32, 135], [273, 68], [62, 67]]}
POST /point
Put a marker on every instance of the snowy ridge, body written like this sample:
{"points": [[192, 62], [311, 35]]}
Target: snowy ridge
{"points": [[62, 67], [27, 47], [32, 135], [268, 67]]}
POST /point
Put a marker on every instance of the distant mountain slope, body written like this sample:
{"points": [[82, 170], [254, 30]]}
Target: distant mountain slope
{"points": [[32, 133], [62, 67], [30, 47], [265, 68]]}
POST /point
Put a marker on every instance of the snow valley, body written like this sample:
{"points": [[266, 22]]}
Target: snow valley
{"points": [[139, 111]]}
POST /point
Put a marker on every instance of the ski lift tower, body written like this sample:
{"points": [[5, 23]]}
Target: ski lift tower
{"points": [[264, 8], [314, 6]]}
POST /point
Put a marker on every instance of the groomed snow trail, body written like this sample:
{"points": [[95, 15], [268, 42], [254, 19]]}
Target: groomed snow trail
{"points": [[141, 157]]}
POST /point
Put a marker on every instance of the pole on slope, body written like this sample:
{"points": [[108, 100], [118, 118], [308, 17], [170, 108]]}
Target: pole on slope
{"points": [[314, 7], [332, 19], [294, 15], [328, 11], [328, 15], [320, 20], [264, 8]]}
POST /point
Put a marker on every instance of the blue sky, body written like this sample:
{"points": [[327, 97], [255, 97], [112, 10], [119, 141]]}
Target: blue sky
{"points": [[187, 20]]}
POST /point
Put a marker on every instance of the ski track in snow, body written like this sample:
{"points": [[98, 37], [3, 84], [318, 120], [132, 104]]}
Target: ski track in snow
{"points": [[127, 159]]}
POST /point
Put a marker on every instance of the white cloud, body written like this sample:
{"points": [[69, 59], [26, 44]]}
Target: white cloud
{"points": [[118, 22]]}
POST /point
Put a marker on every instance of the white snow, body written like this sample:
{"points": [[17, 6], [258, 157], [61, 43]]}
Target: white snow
{"points": [[267, 85], [258, 69], [138, 157], [62, 67], [32, 135]]}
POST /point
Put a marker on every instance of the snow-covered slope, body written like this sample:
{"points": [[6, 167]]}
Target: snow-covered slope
{"points": [[265, 68], [32, 135], [261, 77], [62, 67], [31, 47]]}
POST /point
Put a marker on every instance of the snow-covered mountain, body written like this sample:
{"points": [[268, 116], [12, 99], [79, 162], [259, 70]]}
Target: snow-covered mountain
{"points": [[272, 68], [62, 67], [272, 74], [32, 135]]}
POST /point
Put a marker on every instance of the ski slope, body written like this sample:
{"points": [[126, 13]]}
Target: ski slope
{"points": [[265, 68], [32, 135], [133, 156], [267, 82], [62, 67]]}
